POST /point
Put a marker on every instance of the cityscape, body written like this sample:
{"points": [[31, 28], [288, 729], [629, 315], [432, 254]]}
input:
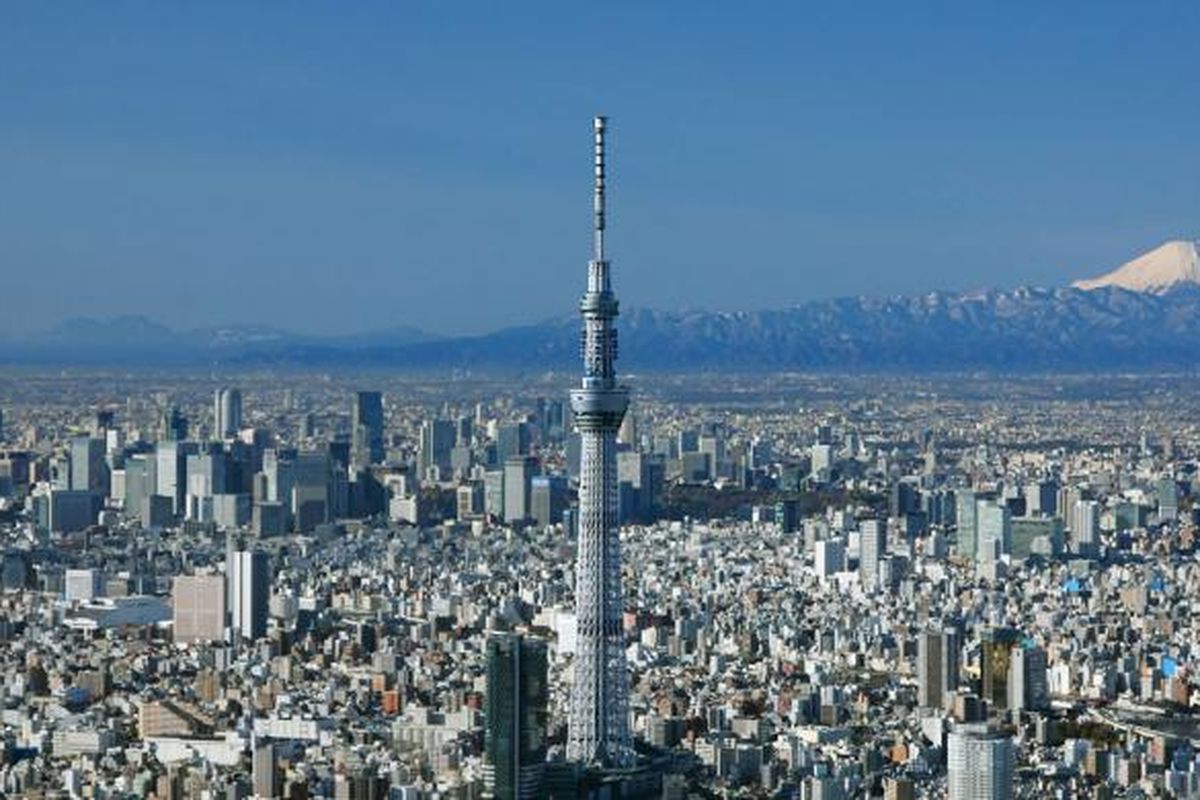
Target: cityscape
{"points": [[911, 545]]}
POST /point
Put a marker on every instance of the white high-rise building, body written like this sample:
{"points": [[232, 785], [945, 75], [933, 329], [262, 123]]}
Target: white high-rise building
{"points": [[993, 523], [1084, 523], [980, 763], [872, 542], [227, 412]]}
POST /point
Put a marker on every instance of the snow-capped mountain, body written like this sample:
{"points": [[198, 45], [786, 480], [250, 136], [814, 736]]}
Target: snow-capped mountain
{"points": [[1158, 271]]}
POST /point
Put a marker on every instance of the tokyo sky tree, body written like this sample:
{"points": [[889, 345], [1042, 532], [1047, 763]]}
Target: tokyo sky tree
{"points": [[598, 731]]}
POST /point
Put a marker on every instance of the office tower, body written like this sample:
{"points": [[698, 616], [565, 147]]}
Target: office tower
{"points": [[995, 655], [1041, 499], [872, 541], [171, 473], [469, 501], [206, 476], [547, 499], [829, 557], [821, 456], [67, 511], [173, 425], [366, 422], [199, 608], [438, 437], [265, 772], [598, 728], [980, 763], [937, 666], [517, 711], [248, 588], [512, 439], [493, 493], [904, 498], [89, 470], [993, 526], [518, 480], [1027, 684], [83, 585], [965, 509], [1084, 523], [227, 412], [1168, 498]]}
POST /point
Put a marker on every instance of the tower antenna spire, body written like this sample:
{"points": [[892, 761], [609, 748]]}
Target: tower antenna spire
{"points": [[599, 123]]}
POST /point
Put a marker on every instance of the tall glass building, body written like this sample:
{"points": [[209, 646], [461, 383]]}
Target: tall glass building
{"points": [[517, 702]]}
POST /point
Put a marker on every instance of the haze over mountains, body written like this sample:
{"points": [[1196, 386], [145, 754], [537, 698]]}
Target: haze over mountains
{"points": [[1143, 315]]}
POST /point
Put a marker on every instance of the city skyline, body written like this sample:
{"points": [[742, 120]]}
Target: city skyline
{"points": [[812, 154]]}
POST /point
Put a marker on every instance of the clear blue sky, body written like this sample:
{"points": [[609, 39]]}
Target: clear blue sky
{"points": [[344, 166]]}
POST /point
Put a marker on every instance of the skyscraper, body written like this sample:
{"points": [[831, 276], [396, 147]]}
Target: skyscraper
{"points": [[89, 470], [248, 583], [980, 763], [937, 666], [227, 412], [872, 543], [966, 516], [598, 731], [367, 428], [1084, 522], [517, 701], [1027, 685]]}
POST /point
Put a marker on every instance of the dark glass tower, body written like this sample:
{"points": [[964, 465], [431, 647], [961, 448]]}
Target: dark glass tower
{"points": [[517, 700]]}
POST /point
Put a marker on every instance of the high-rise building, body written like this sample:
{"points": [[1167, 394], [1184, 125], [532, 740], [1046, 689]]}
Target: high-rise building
{"points": [[248, 587], [171, 473], [993, 525], [598, 727], [965, 519], [980, 763], [518, 483], [89, 470], [438, 437], [199, 608], [1028, 689], [512, 439], [227, 412], [872, 542], [995, 654], [937, 666], [1084, 523], [517, 712], [83, 585], [1168, 498], [366, 422], [547, 499], [265, 771]]}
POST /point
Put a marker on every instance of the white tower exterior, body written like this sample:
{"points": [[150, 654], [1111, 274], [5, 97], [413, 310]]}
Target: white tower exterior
{"points": [[980, 763], [598, 732]]}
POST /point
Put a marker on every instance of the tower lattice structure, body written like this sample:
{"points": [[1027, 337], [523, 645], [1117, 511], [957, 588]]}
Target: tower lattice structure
{"points": [[598, 732]]}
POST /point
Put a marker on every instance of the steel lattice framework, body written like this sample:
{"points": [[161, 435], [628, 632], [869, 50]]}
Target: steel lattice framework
{"points": [[598, 732]]}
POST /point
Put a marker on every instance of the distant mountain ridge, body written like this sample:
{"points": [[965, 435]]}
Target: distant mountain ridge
{"points": [[1094, 325]]}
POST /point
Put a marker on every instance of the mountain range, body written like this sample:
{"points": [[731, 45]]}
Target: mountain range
{"points": [[1143, 315]]}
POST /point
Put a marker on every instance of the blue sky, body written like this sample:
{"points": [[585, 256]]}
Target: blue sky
{"points": [[332, 167]]}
